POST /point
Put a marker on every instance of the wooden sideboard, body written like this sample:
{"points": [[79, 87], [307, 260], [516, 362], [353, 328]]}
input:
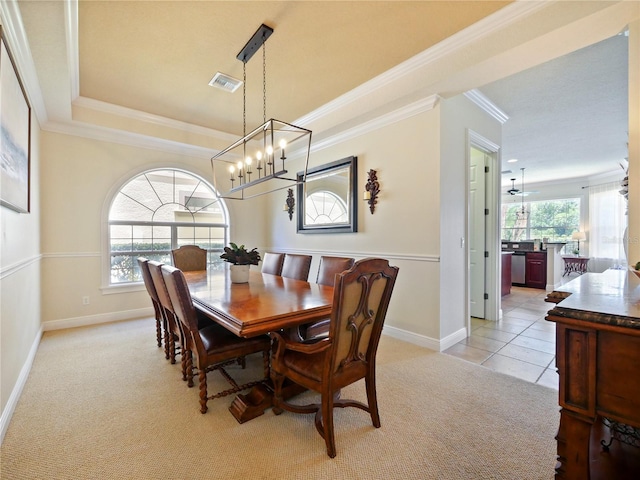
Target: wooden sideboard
{"points": [[597, 318]]}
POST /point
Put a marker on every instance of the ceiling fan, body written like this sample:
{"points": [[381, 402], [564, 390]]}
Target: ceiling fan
{"points": [[516, 191], [513, 190]]}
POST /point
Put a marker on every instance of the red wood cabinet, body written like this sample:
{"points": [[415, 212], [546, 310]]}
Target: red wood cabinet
{"points": [[536, 270], [506, 274]]}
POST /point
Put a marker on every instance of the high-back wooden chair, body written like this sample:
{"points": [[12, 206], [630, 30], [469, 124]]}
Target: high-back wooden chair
{"points": [[272, 263], [213, 347], [189, 258], [173, 333], [296, 266], [330, 266], [327, 271], [151, 290], [360, 301]]}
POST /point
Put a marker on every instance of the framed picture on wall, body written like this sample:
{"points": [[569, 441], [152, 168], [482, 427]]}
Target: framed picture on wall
{"points": [[15, 135]]}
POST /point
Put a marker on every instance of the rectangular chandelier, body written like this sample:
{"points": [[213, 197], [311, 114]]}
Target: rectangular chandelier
{"points": [[259, 162], [264, 155]]}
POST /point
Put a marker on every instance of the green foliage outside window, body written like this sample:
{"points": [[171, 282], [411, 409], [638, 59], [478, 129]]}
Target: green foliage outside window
{"points": [[552, 219], [157, 211]]}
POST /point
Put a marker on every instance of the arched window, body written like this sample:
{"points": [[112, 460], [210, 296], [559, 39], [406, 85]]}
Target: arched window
{"points": [[160, 210], [325, 208]]}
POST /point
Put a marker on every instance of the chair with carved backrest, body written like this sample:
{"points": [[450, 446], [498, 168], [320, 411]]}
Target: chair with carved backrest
{"points": [[360, 301], [296, 266], [157, 308], [213, 347], [272, 263], [189, 258], [327, 271]]}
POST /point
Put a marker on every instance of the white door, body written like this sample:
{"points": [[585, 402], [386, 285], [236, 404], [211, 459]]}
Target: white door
{"points": [[477, 228]]}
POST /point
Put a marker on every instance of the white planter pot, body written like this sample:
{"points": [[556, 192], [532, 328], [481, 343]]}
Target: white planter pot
{"points": [[240, 273]]}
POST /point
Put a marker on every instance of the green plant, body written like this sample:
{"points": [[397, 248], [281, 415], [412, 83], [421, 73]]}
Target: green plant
{"points": [[238, 255]]}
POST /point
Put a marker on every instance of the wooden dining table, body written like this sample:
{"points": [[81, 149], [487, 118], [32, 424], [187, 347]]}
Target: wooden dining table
{"points": [[267, 303]]}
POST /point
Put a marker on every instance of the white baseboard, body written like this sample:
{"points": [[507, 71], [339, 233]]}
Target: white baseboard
{"points": [[424, 341], [97, 319], [10, 407]]}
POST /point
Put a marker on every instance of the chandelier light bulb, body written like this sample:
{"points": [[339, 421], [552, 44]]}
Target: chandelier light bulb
{"points": [[282, 143], [269, 150], [259, 155]]}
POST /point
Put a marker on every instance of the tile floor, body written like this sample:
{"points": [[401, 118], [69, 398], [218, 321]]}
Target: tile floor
{"points": [[522, 344]]}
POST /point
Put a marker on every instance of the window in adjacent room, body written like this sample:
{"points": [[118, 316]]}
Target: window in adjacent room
{"points": [[160, 210], [552, 219]]}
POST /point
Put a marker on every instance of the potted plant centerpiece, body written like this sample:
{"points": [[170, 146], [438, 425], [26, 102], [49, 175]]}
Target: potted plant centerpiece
{"points": [[240, 260]]}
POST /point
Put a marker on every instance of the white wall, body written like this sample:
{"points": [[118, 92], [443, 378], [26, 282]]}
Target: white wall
{"points": [[19, 289], [404, 227], [459, 115], [82, 176]]}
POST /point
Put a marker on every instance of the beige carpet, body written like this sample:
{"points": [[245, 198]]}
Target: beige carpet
{"points": [[102, 403]]}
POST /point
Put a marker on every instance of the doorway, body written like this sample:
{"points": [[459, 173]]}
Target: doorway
{"points": [[483, 250], [478, 165]]}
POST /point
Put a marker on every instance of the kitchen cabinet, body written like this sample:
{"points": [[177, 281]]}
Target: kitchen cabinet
{"points": [[506, 273], [536, 270]]}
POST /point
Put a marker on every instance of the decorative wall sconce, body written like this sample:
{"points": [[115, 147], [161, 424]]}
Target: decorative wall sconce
{"points": [[372, 189], [289, 204]]}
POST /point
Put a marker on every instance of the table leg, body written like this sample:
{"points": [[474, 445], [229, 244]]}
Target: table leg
{"points": [[573, 446], [260, 398]]}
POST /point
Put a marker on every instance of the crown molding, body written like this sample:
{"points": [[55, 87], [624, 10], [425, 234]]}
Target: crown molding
{"points": [[73, 55], [415, 108], [121, 137], [502, 18], [14, 32], [486, 105], [152, 119]]}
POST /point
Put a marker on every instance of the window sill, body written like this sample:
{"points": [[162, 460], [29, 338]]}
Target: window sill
{"points": [[122, 288]]}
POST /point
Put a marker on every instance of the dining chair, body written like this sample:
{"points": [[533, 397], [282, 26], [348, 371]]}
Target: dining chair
{"points": [[296, 266], [327, 270], [360, 301], [213, 347], [172, 331], [272, 263], [189, 258], [151, 290]]}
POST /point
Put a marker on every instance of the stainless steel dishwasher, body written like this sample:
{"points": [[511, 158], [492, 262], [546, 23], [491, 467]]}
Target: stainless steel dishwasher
{"points": [[518, 265]]}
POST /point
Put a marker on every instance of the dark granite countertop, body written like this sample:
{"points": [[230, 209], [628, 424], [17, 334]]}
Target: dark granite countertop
{"points": [[611, 297]]}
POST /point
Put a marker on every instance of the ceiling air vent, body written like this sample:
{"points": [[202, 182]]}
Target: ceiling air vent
{"points": [[225, 82]]}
